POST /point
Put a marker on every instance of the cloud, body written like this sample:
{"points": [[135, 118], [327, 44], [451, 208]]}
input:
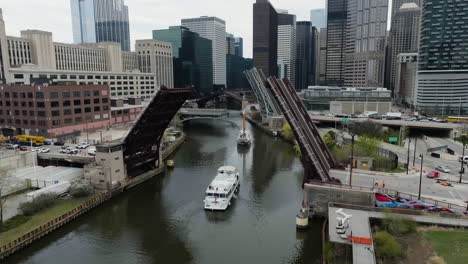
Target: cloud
{"points": [[146, 15]]}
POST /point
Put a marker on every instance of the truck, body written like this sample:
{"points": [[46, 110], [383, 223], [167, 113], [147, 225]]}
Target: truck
{"points": [[58, 189], [393, 116]]}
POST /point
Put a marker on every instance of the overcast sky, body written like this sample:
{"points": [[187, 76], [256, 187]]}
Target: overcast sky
{"points": [[146, 15]]}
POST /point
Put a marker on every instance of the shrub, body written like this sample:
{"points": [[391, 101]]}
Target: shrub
{"points": [[38, 204], [80, 189], [436, 260], [287, 132], [386, 245], [399, 225]]}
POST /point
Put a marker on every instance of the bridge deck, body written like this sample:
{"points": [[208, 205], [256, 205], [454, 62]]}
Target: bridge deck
{"points": [[203, 112]]}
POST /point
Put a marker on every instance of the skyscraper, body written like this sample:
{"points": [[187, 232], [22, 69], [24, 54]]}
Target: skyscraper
{"points": [[318, 18], [287, 46], [443, 58], [365, 43], [100, 21], [239, 46], [303, 54], [265, 37], [337, 12], [230, 44], [404, 35], [192, 58], [214, 29], [322, 55]]}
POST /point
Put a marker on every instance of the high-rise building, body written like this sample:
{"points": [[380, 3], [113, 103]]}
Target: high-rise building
{"points": [[100, 21], [337, 12], [236, 65], [214, 29], [404, 34], [155, 56], [365, 43], [287, 46], [443, 58], [405, 78], [303, 55], [265, 37], [239, 46], [230, 44], [315, 57], [318, 18], [192, 58], [322, 55], [34, 57]]}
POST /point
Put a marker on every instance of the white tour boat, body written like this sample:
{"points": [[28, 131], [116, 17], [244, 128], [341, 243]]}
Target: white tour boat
{"points": [[221, 190]]}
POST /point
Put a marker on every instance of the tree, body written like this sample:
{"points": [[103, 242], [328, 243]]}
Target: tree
{"points": [[287, 132], [5, 180], [387, 246], [330, 139], [367, 146]]}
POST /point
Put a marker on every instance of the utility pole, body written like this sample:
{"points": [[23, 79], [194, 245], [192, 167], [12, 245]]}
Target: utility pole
{"points": [[420, 176], [414, 155], [352, 160], [407, 160], [462, 158]]}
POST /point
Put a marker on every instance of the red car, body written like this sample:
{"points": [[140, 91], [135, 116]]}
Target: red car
{"points": [[433, 174]]}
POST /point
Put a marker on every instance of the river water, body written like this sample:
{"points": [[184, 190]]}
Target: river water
{"points": [[163, 221]]}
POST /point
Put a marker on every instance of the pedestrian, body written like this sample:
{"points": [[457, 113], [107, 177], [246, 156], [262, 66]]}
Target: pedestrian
{"points": [[383, 183], [376, 183]]}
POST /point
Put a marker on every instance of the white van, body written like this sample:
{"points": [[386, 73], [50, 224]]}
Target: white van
{"points": [[464, 158], [92, 151]]}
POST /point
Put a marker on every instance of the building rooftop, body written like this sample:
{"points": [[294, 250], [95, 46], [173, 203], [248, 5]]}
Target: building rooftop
{"points": [[409, 6]]}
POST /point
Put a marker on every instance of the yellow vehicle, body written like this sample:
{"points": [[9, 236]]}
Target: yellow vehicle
{"points": [[38, 141], [3, 139]]}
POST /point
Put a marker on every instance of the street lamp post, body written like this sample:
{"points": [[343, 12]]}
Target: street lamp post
{"points": [[414, 155], [462, 159], [407, 160], [420, 176], [352, 159]]}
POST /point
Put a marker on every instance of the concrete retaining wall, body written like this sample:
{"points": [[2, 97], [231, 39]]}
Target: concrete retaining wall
{"points": [[317, 197], [18, 160]]}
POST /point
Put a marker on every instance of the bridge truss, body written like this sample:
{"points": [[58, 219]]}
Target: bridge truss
{"points": [[143, 141], [316, 157], [268, 105]]}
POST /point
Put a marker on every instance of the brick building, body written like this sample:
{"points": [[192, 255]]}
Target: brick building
{"points": [[53, 110]]}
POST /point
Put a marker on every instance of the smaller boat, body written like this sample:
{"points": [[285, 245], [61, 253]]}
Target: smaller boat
{"points": [[244, 138], [221, 190], [170, 163]]}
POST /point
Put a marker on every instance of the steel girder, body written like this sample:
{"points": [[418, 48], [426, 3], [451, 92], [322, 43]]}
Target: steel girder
{"points": [[143, 141], [268, 106], [316, 157]]}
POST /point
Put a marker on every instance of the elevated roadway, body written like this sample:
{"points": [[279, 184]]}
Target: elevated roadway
{"points": [[392, 123]]}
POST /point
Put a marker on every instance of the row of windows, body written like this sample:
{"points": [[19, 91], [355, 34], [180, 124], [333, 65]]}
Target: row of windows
{"points": [[51, 94], [25, 122], [54, 112]]}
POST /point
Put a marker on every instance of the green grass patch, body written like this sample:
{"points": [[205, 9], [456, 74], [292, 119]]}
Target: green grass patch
{"points": [[14, 222], [61, 207], [451, 245]]}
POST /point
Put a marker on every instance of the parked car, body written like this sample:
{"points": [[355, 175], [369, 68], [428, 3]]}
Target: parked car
{"points": [[59, 143], [442, 168], [92, 151], [23, 148], [82, 145], [464, 158], [12, 146], [433, 174], [43, 150]]}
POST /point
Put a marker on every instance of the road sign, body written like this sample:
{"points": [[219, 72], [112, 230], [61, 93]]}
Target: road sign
{"points": [[392, 139]]}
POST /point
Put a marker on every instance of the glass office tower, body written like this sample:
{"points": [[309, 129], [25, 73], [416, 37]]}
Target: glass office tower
{"points": [[100, 21]]}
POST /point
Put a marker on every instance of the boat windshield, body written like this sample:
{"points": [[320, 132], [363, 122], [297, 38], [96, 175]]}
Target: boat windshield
{"points": [[217, 195]]}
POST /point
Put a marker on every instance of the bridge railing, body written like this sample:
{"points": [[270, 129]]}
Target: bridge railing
{"points": [[393, 193]]}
